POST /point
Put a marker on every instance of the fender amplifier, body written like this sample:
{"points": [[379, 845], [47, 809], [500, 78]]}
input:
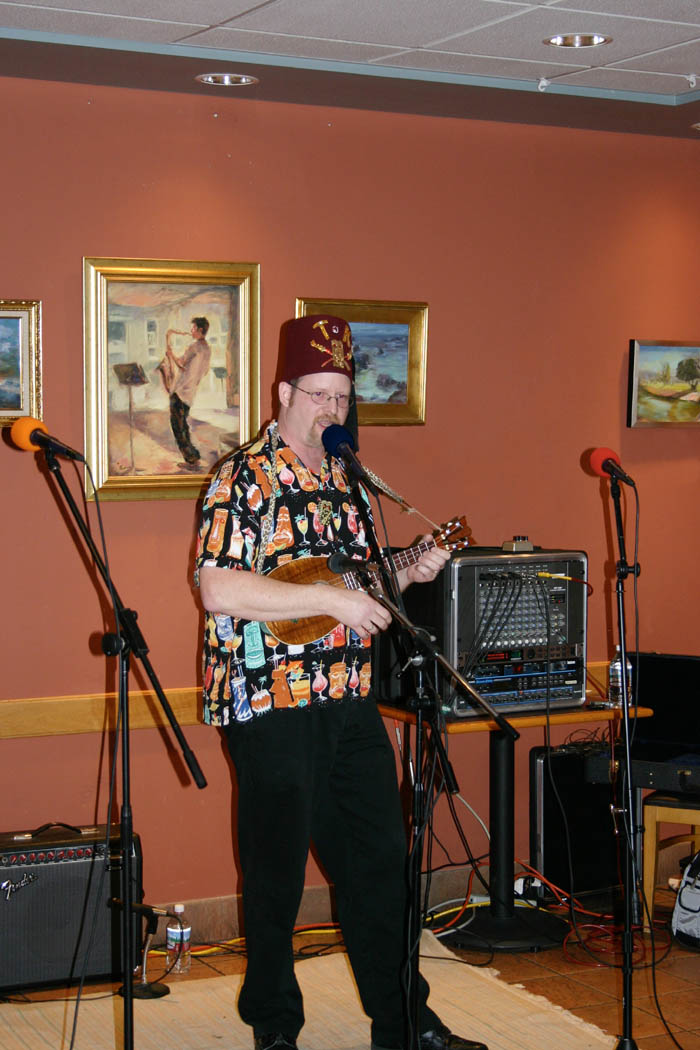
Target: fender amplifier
{"points": [[56, 885]]}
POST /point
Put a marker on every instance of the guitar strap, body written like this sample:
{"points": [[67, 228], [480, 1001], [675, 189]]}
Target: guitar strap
{"points": [[268, 521]]}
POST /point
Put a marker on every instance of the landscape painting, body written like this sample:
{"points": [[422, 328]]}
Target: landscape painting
{"points": [[390, 345], [663, 384], [381, 363], [20, 359], [172, 364]]}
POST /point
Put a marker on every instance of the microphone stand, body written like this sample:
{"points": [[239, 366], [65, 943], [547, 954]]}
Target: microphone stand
{"points": [[623, 570], [127, 639], [423, 706]]}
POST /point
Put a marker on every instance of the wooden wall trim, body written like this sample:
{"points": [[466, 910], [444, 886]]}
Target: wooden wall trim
{"points": [[95, 712]]}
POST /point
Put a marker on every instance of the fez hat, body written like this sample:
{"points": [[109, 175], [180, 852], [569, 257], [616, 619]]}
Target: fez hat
{"points": [[315, 343]]}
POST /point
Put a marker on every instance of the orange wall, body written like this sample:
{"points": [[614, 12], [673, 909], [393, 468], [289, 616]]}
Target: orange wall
{"points": [[541, 252]]}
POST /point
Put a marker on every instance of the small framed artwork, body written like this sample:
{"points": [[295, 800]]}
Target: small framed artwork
{"points": [[172, 372], [20, 360], [390, 345], [664, 384]]}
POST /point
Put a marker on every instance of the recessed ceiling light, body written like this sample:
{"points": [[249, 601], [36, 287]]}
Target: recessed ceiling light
{"points": [[577, 40], [227, 79]]}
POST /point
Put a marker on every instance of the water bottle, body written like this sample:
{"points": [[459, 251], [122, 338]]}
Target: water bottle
{"points": [[177, 943], [615, 680]]}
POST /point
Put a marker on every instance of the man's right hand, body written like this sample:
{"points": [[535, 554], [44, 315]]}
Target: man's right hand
{"points": [[359, 611]]}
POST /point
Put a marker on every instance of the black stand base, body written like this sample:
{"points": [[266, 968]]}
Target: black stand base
{"points": [[148, 991], [534, 931], [626, 1044]]}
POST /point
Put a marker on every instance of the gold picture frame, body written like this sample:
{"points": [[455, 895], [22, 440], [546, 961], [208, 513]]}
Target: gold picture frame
{"points": [[20, 360], [390, 392], [663, 382], [136, 308]]}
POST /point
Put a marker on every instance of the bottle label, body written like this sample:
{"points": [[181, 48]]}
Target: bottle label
{"points": [[176, 937]]}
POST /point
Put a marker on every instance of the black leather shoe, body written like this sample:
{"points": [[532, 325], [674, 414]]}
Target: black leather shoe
{"points": [[275, 1041], [442, 1039]]}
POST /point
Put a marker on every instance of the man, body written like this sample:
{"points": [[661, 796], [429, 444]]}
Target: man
{"points": [[312, 757], [188, 372]]}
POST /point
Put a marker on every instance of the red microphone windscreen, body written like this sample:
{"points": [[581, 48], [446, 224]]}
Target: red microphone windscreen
{"points": [[21, 432], [598, 457]]}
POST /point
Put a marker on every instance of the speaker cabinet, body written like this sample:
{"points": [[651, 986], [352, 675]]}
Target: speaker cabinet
{"points": [[56, 885], [589, 818]]}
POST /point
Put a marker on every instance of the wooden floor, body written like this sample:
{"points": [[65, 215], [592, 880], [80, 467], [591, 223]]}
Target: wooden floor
{"points": [[565, 976]]}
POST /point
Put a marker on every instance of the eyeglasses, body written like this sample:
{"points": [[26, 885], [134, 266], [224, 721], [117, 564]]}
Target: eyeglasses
{"points": [[320, 397]]}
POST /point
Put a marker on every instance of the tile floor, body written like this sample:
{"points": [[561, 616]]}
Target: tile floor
{"points": [[593, 991]]}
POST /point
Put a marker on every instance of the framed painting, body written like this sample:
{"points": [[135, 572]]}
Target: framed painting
{"points": [[664, 381], [172, 372], [20, 360], [390, 345]]}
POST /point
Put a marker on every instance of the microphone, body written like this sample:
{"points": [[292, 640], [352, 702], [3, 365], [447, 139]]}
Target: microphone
{"points": [[606, 462], [340, 563], [32, 435], [144, 909], [339, 442]]}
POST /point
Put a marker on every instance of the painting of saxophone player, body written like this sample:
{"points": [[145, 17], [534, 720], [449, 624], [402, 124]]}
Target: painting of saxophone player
{"points": [[193, 341], [181, 376]]}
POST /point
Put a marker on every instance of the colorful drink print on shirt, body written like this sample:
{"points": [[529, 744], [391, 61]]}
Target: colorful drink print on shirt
{"points": [[253, 496], [305, 477], [338, 479], [224, 629], [338, 674], [261, 701], [280, 687], [262, 480], [302, 523], [215, 540], [300, 686], [241, 707], [365, 679], [319, 682], [235, 547], [223, 490], [339, 635], [254, 648], [288, 477], [283, 536]]}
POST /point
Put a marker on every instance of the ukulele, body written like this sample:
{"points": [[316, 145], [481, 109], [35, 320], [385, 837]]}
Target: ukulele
{"points": [[452, 536]]}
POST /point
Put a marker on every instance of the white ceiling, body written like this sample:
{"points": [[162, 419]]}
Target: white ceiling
{"points": [[414, 55]]}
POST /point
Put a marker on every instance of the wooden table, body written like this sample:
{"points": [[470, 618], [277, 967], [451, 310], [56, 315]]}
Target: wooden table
{"points": [[498, 926]]}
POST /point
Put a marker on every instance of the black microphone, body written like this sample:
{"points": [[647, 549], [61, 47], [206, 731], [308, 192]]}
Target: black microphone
{"points": [[339, 442], [145, 909], [605, 461], [32, 435], [340, 563]]}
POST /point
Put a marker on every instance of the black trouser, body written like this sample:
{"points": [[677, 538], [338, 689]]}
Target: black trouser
{"points": [[179, 412], [325, 774]]}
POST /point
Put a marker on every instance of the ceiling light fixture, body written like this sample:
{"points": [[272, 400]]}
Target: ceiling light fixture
{"points": [[577, 40], [227, 79]]}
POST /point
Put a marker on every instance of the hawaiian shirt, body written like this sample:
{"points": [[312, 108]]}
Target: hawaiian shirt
{"points": [[247, 670]]}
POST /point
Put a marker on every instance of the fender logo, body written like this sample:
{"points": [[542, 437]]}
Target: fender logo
{"points": [[8, 887]]}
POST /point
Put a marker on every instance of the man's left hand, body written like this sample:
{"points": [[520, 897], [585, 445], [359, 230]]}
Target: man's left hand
{"points": [[428, 566]]}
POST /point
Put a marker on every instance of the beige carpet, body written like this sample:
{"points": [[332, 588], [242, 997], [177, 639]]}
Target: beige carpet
{"points": [[201, 1015]]}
